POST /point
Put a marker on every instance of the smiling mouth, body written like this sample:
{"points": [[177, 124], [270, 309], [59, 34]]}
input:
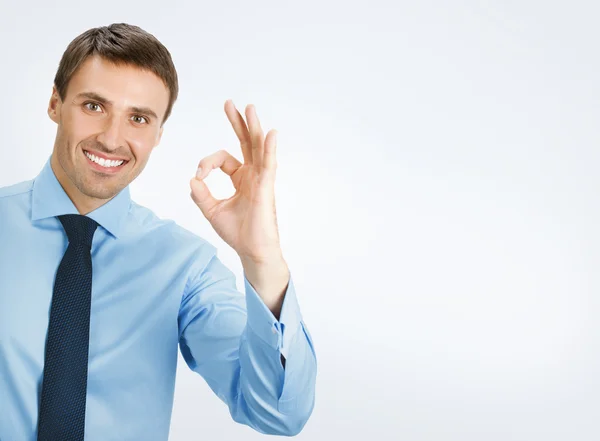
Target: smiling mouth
{"points": [[108, 169]]}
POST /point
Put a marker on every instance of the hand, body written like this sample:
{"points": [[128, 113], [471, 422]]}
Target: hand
{"points": [[247, 220]]}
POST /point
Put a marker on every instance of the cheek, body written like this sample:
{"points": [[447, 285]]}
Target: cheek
{"points": [[142, 142], [140, 154], [77, 128]]}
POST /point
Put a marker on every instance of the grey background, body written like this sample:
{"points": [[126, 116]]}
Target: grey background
{"points": [[436, 191]]}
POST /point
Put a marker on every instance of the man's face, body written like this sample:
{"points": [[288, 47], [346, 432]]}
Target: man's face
{"points": [[104, 124]]}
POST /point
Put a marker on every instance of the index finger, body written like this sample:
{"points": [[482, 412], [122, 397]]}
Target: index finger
{"points": [[241, 130]]}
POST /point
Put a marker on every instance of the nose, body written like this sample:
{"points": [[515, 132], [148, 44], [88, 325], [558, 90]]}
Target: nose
{"points": [[112, 133]]}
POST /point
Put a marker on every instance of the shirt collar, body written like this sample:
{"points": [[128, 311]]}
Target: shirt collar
{"points": [[50, 199]]}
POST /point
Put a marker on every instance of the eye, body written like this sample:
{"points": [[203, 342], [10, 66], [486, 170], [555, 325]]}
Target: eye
{"points": [[143, 117], [92, 103]]}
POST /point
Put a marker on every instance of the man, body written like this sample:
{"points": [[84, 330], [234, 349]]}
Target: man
{"points": [[97, 293]]}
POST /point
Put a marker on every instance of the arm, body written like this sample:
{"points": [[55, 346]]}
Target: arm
{"points": [[237, 345]]}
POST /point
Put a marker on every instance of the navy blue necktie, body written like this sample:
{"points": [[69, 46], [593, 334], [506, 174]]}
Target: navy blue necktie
{"points": [[64, 386]]}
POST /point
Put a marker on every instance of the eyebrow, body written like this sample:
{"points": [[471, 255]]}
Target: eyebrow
{"points": [[96, 97]]}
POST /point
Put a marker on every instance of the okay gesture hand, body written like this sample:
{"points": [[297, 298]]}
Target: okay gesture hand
{"points": [[247, 220]]}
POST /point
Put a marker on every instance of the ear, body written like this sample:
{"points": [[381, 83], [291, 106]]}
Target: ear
{"points": [[54, 106]]}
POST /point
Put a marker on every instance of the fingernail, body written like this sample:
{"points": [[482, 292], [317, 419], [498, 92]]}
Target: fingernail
{"points": [[199, 173]]}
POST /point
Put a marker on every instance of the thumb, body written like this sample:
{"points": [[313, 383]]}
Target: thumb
{"points": [[201, 196]]}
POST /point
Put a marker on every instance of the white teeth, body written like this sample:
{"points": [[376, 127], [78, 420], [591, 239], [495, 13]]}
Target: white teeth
{"points": [[103, 162]]}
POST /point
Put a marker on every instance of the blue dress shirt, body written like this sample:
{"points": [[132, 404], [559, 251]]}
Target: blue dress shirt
{"points": [[156, 287]]}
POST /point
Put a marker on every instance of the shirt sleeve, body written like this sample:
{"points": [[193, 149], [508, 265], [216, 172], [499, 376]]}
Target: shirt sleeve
{"points": [[235, 343]]}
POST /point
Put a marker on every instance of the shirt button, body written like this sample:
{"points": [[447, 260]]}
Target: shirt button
{"points": [[273, 330]]}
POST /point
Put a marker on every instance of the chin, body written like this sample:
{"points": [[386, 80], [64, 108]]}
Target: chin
{"points": [[99, 191]]}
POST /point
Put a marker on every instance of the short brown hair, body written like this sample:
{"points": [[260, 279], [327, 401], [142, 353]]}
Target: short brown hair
{"points": [[119, 43]]}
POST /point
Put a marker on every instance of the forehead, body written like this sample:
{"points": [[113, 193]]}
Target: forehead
{"points": [[124, 85]]}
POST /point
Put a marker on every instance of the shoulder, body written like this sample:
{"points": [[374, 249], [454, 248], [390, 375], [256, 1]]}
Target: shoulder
{"points": [[20, 188], [15, 209], [166, 232], [15, 198]]}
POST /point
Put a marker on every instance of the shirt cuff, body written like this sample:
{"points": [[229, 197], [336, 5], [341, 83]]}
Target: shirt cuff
{"points": [[277, 334]]}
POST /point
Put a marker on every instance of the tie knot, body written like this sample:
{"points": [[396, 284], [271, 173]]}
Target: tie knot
{"points": [[79, 228]]}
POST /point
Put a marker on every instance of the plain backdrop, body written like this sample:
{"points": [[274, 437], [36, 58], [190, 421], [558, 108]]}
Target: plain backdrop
{"points": [[437, 195]]}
